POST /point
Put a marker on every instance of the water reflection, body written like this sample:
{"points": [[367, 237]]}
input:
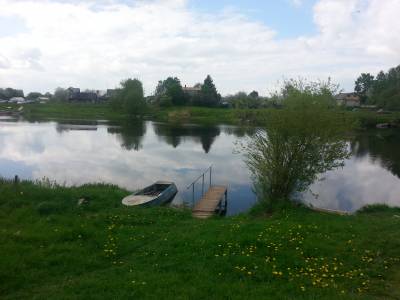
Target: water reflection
{"points": [[129, 155], [130, 134], [136, 154], [370, 176], [175, 134], [381, 146]]}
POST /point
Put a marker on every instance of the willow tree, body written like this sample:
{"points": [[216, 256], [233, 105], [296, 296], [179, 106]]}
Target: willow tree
{"points": [[299, 142]]}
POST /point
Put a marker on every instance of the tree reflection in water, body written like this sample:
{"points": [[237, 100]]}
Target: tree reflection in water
{"points": [[382, 146], [130, 134], [174, 134]]}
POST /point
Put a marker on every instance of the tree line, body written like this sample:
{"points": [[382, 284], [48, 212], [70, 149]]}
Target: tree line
{"points": [[129, 96], [382, 90]]}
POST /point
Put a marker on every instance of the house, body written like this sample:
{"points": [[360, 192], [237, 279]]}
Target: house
{"points": [[111, 93], [195, 90], [43, 99], [75, 94], [18, 100], [348, 100]]}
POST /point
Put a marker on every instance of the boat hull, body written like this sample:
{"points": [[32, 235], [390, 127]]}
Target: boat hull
{"points": [[140, 199]]}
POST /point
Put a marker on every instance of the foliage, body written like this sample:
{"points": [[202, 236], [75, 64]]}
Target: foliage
{"points": [[34, 95], [8, 93], [171, 88], [60, 94], [299, 142], [209, 95], [103, 250], [383, 91], [130, 98], [362, 85], [242, 100]]}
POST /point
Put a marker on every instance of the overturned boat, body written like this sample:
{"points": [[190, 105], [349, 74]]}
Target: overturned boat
{"points": [[158, 193]]}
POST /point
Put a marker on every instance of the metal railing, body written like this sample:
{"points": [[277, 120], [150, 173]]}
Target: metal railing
{"points": [[202, 177]]}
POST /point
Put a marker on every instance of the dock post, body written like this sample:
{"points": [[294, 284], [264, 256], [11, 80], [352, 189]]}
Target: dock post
{"points": [[202, 186], [193, 196], [210, 175]]}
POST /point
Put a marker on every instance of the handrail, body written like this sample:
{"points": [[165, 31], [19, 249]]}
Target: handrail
{"points": [[202, 186], [197, 179]]}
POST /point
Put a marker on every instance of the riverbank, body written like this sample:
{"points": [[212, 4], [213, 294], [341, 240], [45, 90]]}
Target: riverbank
{"points": [[54, 248], [199, 115]]}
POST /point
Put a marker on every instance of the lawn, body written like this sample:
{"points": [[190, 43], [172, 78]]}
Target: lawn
{"points": [[186, 114], [51, 248]]}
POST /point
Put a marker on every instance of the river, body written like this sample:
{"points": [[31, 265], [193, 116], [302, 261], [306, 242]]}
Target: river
{"points": [[135, 155]]}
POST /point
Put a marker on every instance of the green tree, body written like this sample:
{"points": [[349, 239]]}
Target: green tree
{"points": [[297, 144], [130, 97], [254, 94], [172, 88], [60, 94], [363, 86], [209, 95], [34, 95], [385, 90], [9, 93]]}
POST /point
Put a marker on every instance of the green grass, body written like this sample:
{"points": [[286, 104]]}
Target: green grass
{"points": [[53, 249], [200, 115], [83, 111]]}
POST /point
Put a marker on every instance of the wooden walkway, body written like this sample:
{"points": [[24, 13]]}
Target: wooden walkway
{"points": [[211, 202]]}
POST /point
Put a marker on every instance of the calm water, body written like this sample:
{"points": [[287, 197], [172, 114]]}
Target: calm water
{"points": [[137, 155]]}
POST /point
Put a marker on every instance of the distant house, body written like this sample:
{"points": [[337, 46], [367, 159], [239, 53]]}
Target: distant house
{"points": [[111, 93], [348, 100], [195, 90], [18, 100], [75, 95], [43, 99]]}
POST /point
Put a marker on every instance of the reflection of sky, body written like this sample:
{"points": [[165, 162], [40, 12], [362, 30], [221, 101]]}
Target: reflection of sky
{"points": [[361, 182], [75, 157]]}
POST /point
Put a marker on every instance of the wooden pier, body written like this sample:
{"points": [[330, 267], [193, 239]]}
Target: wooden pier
{"points": [[213, 201]]}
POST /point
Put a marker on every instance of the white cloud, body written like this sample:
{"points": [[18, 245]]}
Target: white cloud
{"points": [[296, 3], [95, 44]]}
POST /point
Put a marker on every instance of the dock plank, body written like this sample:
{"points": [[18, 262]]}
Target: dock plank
{"points": [[207, 205]]}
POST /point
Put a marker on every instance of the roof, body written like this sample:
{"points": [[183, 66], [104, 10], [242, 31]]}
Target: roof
{"points": [[346, 96], [192, 89]]}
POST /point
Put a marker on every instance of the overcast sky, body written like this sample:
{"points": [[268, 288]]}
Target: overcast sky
{"points": [[243, 44]]}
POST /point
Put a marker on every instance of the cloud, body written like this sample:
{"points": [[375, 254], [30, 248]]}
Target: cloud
{"points": [[296, 3], [95, 44]]}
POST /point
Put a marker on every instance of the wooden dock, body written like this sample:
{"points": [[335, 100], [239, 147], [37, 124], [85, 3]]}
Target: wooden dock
{"points": [[213, 201]]}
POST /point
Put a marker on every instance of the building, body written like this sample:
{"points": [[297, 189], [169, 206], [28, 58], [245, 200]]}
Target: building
{"points": [[43, 99], [195, 90], [18, 100], [75, 95], [348, 100]]}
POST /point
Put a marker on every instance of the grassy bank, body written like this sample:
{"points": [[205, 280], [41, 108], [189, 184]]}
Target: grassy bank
{"points": [[51, 248], [68, 111], [200, 115]]}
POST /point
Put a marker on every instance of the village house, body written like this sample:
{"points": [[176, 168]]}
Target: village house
{"points": [[75, 94], [18, 100], [348, 100], [192, 91]]}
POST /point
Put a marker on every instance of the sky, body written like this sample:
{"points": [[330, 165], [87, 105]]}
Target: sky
{"points": [[244, 45]]}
